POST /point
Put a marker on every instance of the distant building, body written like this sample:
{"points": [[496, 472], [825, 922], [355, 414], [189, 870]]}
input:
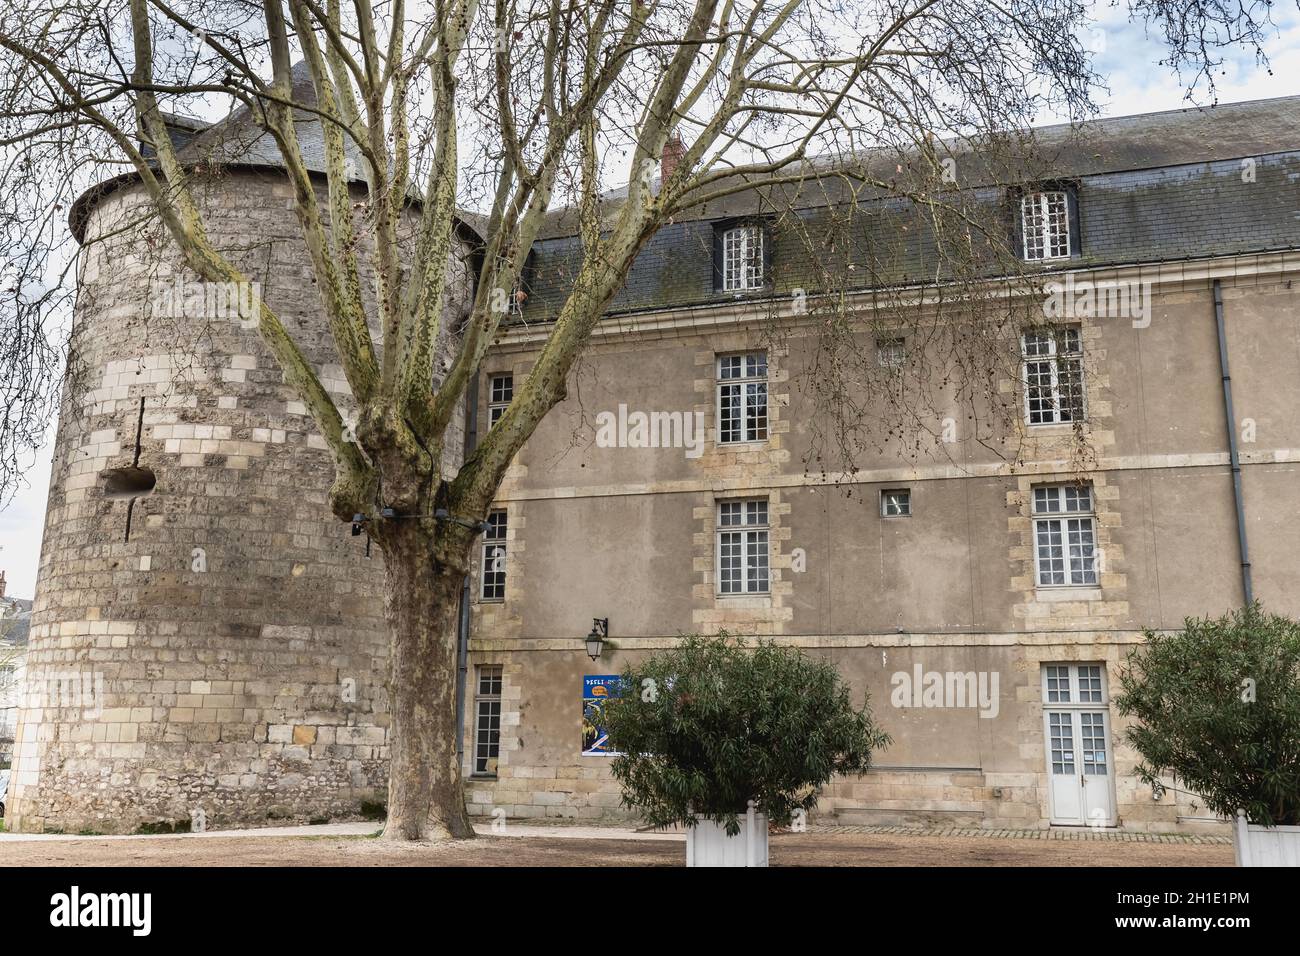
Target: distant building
{"points": [[15, 621]]}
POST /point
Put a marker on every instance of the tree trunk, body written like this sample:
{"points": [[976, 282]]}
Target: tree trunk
{"points": [[421, 602]]}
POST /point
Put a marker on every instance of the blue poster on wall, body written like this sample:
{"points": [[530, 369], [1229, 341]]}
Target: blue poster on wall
{"points": [[596, 689]]}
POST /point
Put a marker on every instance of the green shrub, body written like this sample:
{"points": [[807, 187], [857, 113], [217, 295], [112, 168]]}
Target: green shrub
{"points": [[1218, 707], [706, 727]]}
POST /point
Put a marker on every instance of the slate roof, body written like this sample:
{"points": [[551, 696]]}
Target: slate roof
{"points": [[1150, 187], [1154, 187], [237, 142], [15, 620], [1116, 144]]}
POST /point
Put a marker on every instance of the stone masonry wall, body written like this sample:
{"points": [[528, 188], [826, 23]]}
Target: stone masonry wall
{"points": [[224, 660], [541, 774]]}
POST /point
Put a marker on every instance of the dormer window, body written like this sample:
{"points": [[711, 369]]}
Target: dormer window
{"points": [[511, 301], [517, 299], [741, 252], [1045, 225]]}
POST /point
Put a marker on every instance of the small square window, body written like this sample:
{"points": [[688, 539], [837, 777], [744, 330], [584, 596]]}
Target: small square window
{"points": [[891, 353], [896, 503]]}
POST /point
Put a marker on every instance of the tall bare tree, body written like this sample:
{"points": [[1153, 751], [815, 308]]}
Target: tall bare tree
{"points": [[556, 101]]}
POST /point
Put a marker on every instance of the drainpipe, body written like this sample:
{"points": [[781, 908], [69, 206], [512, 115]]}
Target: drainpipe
{"points": [[1233, 456], [462, 642]]}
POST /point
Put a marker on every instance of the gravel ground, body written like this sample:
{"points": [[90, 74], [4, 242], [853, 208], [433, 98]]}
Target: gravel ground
{"points": [[792, 849]]}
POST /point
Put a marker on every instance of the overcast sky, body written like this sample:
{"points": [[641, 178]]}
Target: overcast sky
{"points": [[1125, 56]]}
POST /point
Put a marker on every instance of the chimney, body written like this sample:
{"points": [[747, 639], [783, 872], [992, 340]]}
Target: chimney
{"points": [[673, 152], [2, 584]]}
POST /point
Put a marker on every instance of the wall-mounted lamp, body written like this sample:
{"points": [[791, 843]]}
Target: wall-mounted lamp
{"points": [[596, 639]]}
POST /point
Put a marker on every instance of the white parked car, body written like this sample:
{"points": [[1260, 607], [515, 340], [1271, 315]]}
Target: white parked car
{"points": [[4, 788]]}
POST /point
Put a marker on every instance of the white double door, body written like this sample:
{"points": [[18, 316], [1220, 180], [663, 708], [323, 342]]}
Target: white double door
{"points": [[1080, 768]]}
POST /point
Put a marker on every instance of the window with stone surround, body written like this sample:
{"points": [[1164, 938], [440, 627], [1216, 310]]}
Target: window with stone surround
{"points": [[1065, 552], [742, 398], [501, 390], [487, 720], [492, 586], [1053, 375], [743, 547], [1045, 225]]}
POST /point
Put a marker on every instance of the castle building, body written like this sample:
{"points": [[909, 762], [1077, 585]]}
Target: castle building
{"points": [[230, 631], [208, 646], [985, 601]]}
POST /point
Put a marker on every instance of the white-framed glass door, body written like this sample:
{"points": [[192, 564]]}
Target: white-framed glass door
{"points": [[1076, 730]]}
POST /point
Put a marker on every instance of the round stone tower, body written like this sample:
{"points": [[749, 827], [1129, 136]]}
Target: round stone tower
{"points": [[208, 645]]}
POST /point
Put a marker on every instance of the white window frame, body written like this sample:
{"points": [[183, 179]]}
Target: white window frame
{"points": [[487, 709], [744, 523], [742, 380], [1064, 353], [499, 398], [889, 509], [742, 258], [494, 547], [1045, 225], [1061, 510], [1080, 688], [518, 296], [1078, 685], [514, 303]]}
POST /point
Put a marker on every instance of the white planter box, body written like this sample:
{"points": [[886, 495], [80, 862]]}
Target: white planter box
{"points": [[707, 843], [1265, 846]]}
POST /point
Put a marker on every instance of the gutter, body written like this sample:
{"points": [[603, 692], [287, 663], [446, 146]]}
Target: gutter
{"points": [[1234, 457]]}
